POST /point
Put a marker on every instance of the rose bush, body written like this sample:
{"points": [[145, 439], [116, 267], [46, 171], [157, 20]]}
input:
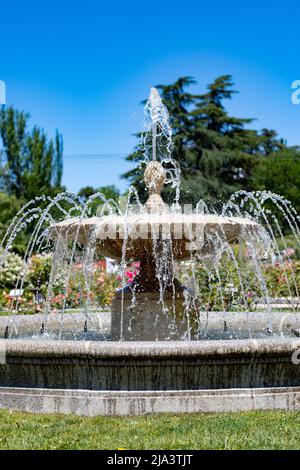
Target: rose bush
{"points": [[240, 286], [68, 288], [233, 286]]}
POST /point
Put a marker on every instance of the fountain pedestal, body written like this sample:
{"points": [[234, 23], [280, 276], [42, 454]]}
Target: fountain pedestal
{"points": [[142, 312], [148, 319], [156, 307]]}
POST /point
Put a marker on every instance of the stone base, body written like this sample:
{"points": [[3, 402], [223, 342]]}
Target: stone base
{"points": [[131, 378], [146, 318], [110, 403]]}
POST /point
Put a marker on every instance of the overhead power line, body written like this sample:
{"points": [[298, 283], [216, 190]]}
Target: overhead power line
{"points": [[94, 155], [124, 155]]}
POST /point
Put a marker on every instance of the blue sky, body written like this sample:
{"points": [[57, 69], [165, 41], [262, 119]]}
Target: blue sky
{"points": [[83, 67]]}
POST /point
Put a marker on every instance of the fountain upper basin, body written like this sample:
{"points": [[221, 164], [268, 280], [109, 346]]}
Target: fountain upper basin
{"points": [[188, 232]]}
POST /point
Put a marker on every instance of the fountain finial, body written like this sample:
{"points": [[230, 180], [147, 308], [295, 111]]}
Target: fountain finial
{"points": [[154, 178]]}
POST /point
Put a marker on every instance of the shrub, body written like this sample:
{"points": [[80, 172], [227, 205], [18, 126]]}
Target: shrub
{"points": [[229, 287]]}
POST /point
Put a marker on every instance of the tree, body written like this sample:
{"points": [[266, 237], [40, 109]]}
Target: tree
{"points": [[86, 192], [222, 151], [9, 206], [110, 192], [31, 164], [218, 154], [280, 174]]}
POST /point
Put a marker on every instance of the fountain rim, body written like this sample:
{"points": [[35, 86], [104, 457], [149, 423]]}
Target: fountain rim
{"points": [[121, 223], [150, 350]]}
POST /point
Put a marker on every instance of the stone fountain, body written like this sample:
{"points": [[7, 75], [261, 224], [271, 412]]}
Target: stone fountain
{"points": [[150, 365]]}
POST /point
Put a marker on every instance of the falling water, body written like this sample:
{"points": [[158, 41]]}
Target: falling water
{"points": [[157, 143]]}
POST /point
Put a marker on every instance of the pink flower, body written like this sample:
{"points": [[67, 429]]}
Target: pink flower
{"points": [[129, 274]]}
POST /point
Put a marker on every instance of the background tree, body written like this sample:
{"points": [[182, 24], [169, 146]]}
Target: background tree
{"points": [[9, 206], [110, 192], [31, 164], [280, 174], [218, 153]]}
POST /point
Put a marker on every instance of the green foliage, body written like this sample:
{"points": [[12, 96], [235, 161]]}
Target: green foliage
{"points": [[110, 192], [31, 164], [218, 289], [279, 174], [86, 192], [236, 286], [39, 273], [76, 293], [9, 206], [35, 276]]}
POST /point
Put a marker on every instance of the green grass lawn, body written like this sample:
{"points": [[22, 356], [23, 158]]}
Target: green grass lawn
{"points": [[251, 430]]}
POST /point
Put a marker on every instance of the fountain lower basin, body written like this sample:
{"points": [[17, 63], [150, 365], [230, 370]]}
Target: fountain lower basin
{"points": [[122, 378], [133, 378]]}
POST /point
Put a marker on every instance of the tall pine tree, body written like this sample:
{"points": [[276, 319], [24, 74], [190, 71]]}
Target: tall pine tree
{"points": [[217, 153], [31, 164]]}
